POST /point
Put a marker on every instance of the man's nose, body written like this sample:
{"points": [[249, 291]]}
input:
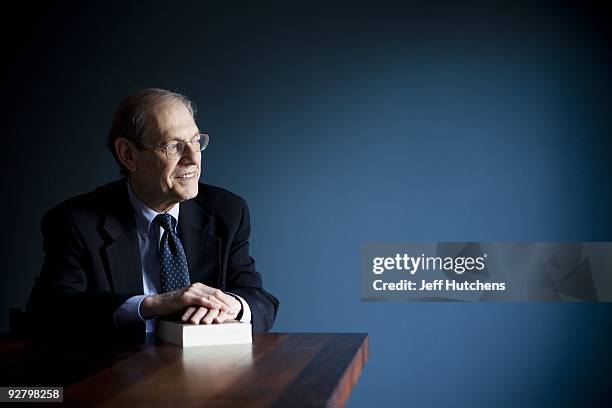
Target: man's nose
{"points": [[190, 154]]}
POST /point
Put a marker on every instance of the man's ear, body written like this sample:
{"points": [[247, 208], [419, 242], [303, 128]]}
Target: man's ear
{"points": [[125, 152]]}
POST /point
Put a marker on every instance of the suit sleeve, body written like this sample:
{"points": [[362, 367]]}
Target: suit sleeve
{"points": [[244, 280], [60, 298]]}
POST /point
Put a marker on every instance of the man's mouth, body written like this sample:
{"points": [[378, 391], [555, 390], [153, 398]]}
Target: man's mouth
{"points": [[187, 175]]}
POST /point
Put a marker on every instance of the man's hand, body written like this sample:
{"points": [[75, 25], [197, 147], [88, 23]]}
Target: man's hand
{"points": [[197, 315], [209, 303]]}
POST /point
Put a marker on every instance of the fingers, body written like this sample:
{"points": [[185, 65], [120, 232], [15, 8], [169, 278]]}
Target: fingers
{"points": [[199, 314], [226, 306], [212, 313], [220, 304], [202, 295], [205, 316], [196, 295], [188, 298], [221, 317], [188, 313], [218, 295], [232, 302]]}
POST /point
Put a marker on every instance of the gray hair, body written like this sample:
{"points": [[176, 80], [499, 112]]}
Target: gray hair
{"points": [[132, 117]]}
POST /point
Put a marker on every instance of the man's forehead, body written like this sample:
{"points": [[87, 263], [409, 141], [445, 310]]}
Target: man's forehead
{"points": [[172, 121], [169, 111]]}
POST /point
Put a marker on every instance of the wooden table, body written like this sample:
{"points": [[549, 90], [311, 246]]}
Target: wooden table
{"points": [[278, 369]]}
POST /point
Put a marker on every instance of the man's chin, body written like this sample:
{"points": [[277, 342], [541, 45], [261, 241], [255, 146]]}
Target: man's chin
{"points": [[185, 194]]}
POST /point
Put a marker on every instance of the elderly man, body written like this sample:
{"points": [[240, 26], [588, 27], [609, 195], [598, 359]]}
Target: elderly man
{"points": [[155, 243]]}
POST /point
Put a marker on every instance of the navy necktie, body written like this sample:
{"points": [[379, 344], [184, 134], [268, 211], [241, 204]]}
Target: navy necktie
{"points": [[173, 266]]}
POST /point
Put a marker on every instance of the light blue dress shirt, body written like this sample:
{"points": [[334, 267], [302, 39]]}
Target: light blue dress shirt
{"points": [[149, 237]]}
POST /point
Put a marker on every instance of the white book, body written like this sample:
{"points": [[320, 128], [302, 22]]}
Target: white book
{"points": [[188, 335]]}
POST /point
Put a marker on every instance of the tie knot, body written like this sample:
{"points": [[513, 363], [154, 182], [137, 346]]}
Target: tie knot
{"points": [[166, 221]]}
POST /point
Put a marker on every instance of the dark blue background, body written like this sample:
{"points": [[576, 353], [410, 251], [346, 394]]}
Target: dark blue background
{"points": [[344, 124]]}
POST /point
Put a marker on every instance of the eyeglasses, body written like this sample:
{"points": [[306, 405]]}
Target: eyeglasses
{"points": [[175, 149]]}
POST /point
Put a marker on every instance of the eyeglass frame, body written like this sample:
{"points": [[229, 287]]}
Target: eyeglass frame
{"points": [[179, 143]]}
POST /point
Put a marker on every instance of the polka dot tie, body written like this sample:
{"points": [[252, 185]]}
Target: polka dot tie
{"points": [[173, 267]]}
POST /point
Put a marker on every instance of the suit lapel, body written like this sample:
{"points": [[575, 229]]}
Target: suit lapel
{"points": [[203, 250], [122, 251]]}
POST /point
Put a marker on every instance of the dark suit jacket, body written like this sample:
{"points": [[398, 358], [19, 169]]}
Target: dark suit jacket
{"points": [[92, 257]]}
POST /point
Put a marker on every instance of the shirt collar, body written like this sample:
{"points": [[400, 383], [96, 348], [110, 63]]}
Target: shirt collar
{"points": [[146, 215]]}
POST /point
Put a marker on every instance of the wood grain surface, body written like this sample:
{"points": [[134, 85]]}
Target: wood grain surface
{"points": [[277, 370]]}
